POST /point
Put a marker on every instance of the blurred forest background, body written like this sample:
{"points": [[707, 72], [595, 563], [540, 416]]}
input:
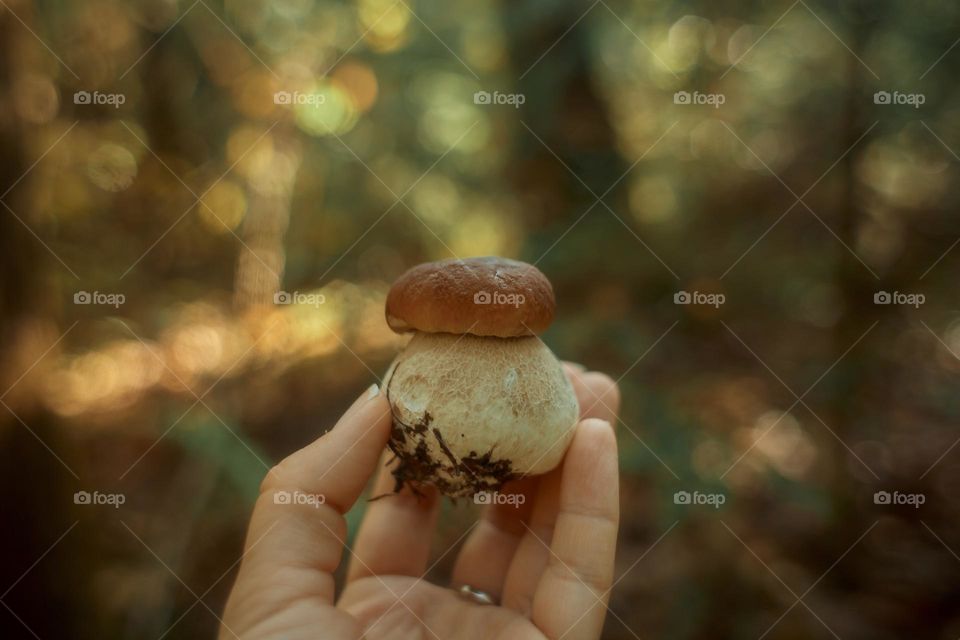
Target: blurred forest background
{"points": [[176, 164]]}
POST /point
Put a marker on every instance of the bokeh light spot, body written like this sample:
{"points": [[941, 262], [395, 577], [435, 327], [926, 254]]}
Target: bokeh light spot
{"points": [[112, 167], [223, 207]]}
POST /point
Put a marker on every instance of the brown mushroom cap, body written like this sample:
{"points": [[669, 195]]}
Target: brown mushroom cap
{"points": [[488, 296]]}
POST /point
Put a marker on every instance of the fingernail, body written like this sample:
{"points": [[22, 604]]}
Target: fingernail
{"points": [[599, 422], [372, 392]]}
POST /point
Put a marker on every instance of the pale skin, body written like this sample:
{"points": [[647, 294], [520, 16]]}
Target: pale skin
{"points": [[549, 563]]}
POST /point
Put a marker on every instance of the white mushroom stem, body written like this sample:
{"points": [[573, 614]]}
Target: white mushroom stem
{"points": [[471, 412]]}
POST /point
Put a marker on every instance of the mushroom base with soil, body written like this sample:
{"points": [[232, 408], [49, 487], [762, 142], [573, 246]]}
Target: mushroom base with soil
{"points": [[472, 412]]}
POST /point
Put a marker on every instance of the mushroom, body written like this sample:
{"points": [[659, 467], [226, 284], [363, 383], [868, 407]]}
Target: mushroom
{"points": [[477, 397]]}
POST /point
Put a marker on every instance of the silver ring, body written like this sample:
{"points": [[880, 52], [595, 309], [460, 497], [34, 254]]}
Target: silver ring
{"points": [[475, 595]]}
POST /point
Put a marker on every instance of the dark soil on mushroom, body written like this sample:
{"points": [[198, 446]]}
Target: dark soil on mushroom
{"points": [[475, 473]]}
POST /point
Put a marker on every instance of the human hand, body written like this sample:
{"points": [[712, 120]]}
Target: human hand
{"points": [[548, 562]]}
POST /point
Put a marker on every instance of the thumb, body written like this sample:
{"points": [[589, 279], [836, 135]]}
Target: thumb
{"points": [[297, 522]]}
